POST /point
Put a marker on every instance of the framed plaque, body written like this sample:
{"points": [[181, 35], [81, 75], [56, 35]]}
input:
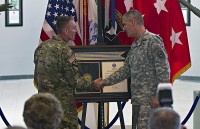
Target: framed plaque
{"points": [[107, 69], [100, 62], [14, 15], [92, 68]]}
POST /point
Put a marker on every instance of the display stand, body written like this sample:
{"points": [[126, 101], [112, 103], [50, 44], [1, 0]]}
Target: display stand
{"points": [[101, 111], [99, 62]]}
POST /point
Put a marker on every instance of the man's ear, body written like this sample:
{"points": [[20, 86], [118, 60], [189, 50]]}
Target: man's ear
{"points": [[132, 21], [65, 31]]}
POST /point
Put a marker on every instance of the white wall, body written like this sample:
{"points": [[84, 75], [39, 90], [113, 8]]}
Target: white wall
{"points": [[194, 42], [17, 44]]}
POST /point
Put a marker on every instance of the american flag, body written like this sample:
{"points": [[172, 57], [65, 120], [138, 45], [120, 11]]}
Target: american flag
{"points": [[56, 8]]}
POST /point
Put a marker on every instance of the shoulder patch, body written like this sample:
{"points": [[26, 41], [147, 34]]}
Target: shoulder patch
{"points": [[87, 77], [72, 58], [160, 54]]}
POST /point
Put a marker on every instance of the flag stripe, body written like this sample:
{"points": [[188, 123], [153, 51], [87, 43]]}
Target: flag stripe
{"points": [[43, 36], [85, 22]]}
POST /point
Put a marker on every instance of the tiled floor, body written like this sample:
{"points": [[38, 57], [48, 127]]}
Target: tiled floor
{"points": [[14, 93]]}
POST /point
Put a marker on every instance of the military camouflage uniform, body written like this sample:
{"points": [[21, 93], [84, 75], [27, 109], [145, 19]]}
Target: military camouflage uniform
{"points": [[147, 65], [57, 73]]}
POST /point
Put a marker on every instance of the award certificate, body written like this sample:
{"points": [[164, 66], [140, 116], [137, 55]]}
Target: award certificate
{"points": [[107, 69]]}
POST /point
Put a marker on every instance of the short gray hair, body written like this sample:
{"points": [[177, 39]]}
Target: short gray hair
{"points": [[135, 15], [164, 118]]}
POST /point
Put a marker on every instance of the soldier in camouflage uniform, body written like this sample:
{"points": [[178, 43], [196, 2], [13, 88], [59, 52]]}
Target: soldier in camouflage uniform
{"points": [[147, 65], [56, 70]]}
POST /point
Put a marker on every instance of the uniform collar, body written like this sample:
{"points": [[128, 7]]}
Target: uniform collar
{"points": [[138, 42], [58, 39]]}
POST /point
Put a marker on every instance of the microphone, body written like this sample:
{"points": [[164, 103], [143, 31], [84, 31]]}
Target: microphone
{"points": [[165, 94]]}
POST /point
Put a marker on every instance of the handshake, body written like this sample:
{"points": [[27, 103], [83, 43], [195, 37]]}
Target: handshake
{"points": [[98, 83]]}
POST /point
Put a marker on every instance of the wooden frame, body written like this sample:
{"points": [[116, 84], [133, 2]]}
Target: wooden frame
{"points": [[13, 16], [186, 14]]}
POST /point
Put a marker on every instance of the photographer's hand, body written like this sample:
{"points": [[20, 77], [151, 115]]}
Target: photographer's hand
{"points": [[154, 102], [98, 84], [4, 7]]}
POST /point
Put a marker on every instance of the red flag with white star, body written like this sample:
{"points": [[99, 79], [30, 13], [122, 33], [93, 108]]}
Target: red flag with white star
{"points": [[164, 17]]}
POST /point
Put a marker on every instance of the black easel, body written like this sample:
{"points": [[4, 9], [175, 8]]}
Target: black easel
{"points": [[101, 112]]}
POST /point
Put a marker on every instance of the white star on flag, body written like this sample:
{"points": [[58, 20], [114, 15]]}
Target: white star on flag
{"points": [[48, 13], [73, 10], [56, 6], [175, 38], [113, 31], [55, 14], [128, 4], [67, 9], [160, 5], [49, 5], [54, 22]]}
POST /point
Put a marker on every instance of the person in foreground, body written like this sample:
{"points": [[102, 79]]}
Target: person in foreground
{"points": [[42, 111], [146, 64], [56, 70], [5, 7], [165, 118], [15, 127]]}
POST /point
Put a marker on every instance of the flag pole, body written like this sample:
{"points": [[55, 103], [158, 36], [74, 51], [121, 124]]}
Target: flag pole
{"points": [[100, 38]]}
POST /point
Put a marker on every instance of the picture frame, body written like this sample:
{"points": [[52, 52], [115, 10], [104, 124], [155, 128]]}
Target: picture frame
{"points": [[100, 62], [186, 14], [14, 16]]}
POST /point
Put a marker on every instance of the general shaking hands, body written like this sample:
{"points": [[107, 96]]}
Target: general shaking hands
{"points": [[98, 83]]}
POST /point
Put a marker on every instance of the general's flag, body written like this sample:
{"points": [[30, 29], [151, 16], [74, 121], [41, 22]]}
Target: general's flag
{"points": [[164, 17]]}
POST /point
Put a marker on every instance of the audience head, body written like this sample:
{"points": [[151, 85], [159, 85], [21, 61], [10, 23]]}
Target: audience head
{"points": [[42, 111], [164, 118]]}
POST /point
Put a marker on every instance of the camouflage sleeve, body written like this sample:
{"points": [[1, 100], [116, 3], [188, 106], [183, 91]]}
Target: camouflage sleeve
{"points": [[84, 81], [36, 54], [35, 70], [161, 61], [72, 73], [119, 75]]}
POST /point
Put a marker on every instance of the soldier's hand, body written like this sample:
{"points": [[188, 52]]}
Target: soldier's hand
{"points": [[154, 103], [98, 84], [4, 7]]}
